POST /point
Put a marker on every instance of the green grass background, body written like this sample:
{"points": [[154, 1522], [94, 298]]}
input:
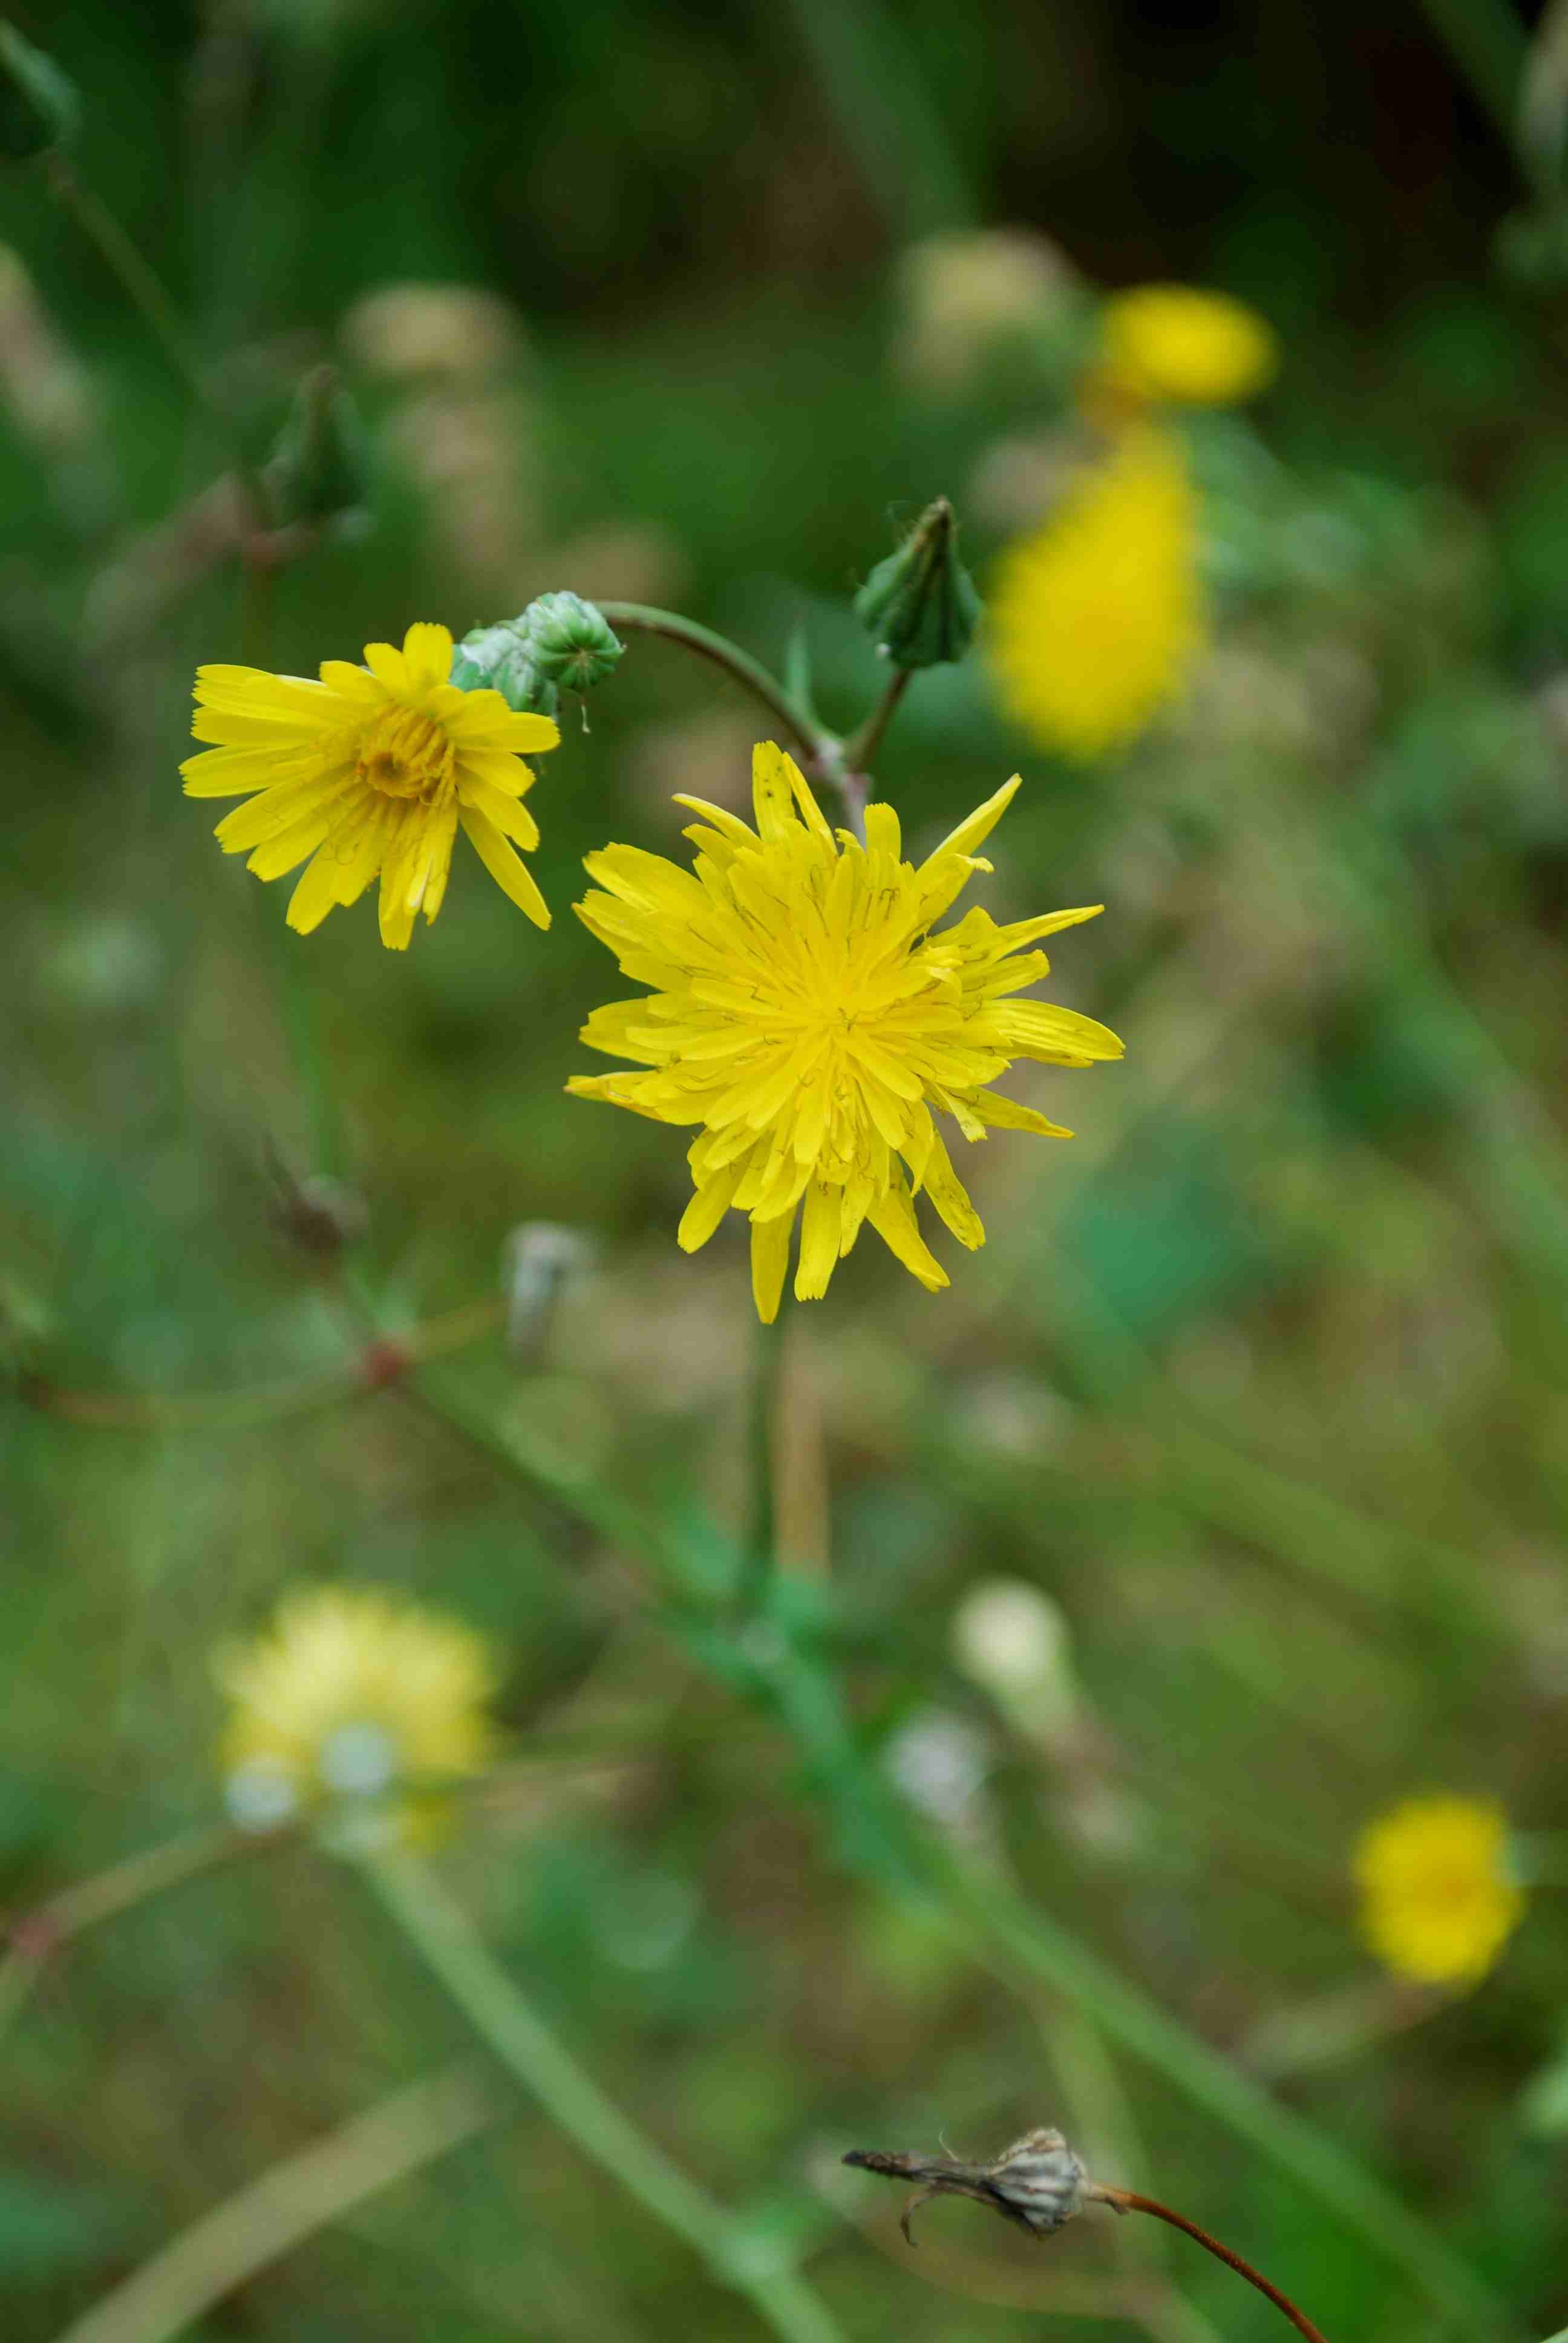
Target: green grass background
{"points": [[1261, 1379]]}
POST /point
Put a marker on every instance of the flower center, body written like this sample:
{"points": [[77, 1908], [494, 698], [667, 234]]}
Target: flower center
{"points": [[405, 755]]}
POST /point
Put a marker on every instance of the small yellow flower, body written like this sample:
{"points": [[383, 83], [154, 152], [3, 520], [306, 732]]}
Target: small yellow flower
{"points": [[369, 771], [1438, 1901], [1095, 620], [352, 1695], [1170, 343], [804, 1015]]}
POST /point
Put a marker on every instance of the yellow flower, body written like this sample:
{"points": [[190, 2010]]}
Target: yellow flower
{"points": [[1094, 620], [1172, 342], [370, 770], [351, 1695], [804, 1015], [1437, 1903]]}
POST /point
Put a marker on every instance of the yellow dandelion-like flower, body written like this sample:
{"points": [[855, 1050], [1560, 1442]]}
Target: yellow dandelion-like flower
{"points": [[1437, 1899], [369, 771], [803, 1014], [1095, 620], [351, 1695], [1170, 343]]}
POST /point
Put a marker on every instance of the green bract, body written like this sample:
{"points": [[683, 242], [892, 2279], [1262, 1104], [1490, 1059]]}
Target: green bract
{"points": [[559, 643], [920, 605]]}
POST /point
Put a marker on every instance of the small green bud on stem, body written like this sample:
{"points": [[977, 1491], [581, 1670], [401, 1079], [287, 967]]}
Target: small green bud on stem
{"points": [[559, 643], [316, 470], [920, 605]]}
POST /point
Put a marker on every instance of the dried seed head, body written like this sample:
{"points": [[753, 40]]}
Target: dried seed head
{"points": [[1041, 2178], [1038, 2182]]}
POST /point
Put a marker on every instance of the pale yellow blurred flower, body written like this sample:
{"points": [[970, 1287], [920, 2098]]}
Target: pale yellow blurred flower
{"points": [[1438, 1901], [1095, 620], [352, 1696]]}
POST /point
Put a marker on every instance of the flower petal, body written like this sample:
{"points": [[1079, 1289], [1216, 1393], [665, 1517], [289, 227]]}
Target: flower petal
{"points": [[509, 874]]}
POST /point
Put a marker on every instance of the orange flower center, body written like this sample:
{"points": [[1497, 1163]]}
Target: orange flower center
{"points": [[403, 754]]}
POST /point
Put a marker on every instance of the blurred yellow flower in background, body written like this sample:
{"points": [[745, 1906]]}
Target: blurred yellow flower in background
{"points": [[1171, 344], [352, 1695], [1095, 619], [804, 1015], [369, 772], [1437, 1899]]}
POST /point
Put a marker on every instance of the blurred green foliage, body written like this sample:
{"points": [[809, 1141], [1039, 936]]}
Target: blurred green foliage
{"points": [[1261, 1379]]}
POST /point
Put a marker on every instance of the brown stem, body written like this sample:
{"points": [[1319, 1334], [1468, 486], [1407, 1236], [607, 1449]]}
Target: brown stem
{"points": [[1127, 2201]]}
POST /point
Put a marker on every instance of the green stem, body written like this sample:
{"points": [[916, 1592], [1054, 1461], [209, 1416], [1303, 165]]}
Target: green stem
{"points": [[820, 749], [149, 297], [442, 1934], [860, 747], [37, 1934], [173, 2293], [762, 1533]]}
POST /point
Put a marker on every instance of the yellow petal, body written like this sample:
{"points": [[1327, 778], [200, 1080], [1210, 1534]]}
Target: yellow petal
{"points": [[770, 1261], [512, 820], [979, 826], [893, 1218], [316, 893], [949, 1194], [707, 1209], [509, 874], [427, 657], [821, 1229]]}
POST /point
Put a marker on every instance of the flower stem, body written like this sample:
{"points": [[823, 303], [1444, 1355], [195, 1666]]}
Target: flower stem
{"points": [[37, 1935], [763, 1528], [150, 297], [292, 2200], [749, 673], [442, 1934], [1128, 2200], [862, 747]]}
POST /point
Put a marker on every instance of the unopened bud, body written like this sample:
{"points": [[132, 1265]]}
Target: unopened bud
{"points": [[317, 468], [920, 605], [38, 106], [575, 646], [501, 659]]}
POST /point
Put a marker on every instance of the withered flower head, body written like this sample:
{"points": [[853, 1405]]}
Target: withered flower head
{"points": [[1038, 2182]]}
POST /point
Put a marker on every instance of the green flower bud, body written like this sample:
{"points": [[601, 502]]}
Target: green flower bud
{"points": [[501, 659], [38, 106], [573, 644], [316, 469], [920, 605]]}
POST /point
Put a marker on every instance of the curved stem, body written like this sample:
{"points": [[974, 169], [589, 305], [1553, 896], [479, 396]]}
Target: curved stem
{"points": [[442, 1934], [1128, 2200], [763, 1528], [861, 746], [751, 674]]}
